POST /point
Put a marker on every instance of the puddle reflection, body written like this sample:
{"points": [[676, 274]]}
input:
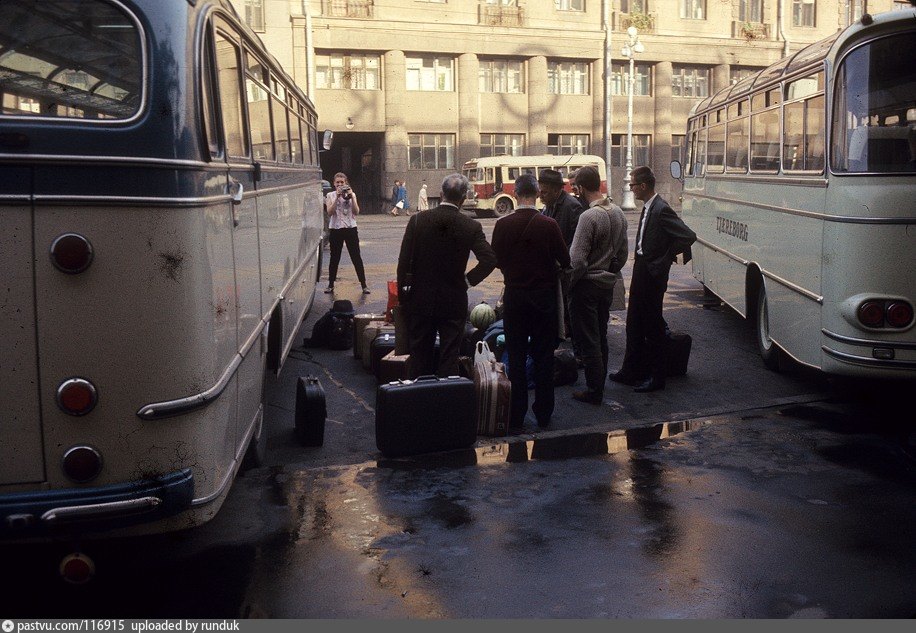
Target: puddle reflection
{"points": [[551, 447]]}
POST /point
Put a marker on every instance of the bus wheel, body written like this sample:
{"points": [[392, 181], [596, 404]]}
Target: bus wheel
{"points": [[769, 352], [503, 206]]}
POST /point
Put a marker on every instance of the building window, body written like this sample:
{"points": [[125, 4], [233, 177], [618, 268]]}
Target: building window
{"points": [[640, 150], [678, 148], [501, 75], [431, 73], [502, 144], [566, 144], [803, 12], [693, 9], [431, 151], [569, 5], [690, 81], [634, 6], [901, 5], [737, 73], [620, 81], [254, 14], [750, 11], [353, 72], [567, 78]]}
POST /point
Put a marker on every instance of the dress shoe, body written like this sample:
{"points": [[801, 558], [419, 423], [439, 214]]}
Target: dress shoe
{"points": [[652, 384], [624, 378], [588, 397]]}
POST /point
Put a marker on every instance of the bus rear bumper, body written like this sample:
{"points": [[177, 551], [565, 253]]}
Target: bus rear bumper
{"points": [[884, 358], [50, 513]]}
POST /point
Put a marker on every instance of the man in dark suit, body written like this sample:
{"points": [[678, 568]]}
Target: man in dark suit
{"points": [[432, 263], [529, 248], [660, 236], [558, 204]]}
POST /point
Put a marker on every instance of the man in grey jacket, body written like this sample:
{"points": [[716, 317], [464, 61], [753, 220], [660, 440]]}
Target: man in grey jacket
{"points": [[599, 250]]}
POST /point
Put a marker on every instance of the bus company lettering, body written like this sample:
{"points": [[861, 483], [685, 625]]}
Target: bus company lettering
{"points": [[730, 227]]}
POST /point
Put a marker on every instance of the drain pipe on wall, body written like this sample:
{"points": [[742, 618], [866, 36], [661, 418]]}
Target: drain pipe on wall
{"points": [[780, 13]]}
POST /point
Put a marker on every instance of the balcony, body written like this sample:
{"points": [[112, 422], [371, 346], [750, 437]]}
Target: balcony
{"points": [[750, 30], [348, 8], [644, 22], [500, 15]]}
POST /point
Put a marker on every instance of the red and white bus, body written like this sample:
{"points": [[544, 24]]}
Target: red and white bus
{"points": [[492, 178]]}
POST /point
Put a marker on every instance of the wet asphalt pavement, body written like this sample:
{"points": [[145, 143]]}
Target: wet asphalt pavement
{"points": [[734, 493]]}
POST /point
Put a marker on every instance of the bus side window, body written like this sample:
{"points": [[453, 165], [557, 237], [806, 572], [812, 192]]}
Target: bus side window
{"points": [[230, 96], [259, 114], [211, 129]]}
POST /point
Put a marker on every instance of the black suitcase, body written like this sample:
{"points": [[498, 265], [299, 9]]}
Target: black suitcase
{"points": [[311, 411], [378, 349], [425, 415], [678, 353]]}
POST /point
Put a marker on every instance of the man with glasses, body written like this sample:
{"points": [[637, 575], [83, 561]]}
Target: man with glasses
{"points": [[661, 236]]}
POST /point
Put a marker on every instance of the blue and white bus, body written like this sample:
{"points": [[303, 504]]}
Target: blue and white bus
{"points": [[801, 185], [161, 214]]}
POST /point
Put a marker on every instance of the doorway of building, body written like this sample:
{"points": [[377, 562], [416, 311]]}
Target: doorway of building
{"points": [[359, 155]]}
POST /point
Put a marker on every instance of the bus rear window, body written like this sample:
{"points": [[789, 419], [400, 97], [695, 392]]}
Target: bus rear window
{"points": [[874, 114], [71, 59]]}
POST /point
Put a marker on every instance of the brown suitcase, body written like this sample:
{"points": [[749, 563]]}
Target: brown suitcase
{"points": [[360, 321], [493, 393], [394, 367]]}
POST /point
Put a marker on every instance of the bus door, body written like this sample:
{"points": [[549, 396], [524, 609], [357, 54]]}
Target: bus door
{"points": [[21, 451], [239, 214]]}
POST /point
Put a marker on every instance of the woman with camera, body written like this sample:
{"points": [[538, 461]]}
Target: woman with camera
{"points": [[342, 208]]}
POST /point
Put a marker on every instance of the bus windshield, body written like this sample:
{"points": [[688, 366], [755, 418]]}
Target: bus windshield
{"points": [[874, 117]]}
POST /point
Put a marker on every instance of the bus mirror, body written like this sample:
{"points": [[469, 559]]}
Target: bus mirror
{"points": [[675, 170], [327, 140]]}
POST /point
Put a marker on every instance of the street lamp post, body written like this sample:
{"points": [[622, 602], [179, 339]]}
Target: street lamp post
{"points": [[629, 51]]}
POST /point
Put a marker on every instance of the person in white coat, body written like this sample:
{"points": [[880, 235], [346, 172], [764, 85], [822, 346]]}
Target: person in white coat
{"points": [[422, 199]]}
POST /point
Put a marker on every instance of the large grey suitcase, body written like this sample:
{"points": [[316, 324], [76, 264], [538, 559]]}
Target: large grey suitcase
{"points": [[425, 415]]}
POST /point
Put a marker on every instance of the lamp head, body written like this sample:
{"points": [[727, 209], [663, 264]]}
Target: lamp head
{"points": [[632, 32]]}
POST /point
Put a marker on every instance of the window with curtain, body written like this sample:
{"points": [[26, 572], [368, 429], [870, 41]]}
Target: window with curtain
{"points": [[567, 78], [803, 12], [347, 72], [502, 144], [431, 74], [693, 9], [254, 14], [750, 10], [501, 75], [690, 81], [642, 82], [566, 144], [569, 5], [641, 150], [634, 6], [431, 151]]}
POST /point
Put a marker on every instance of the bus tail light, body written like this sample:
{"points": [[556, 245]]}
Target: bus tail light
{"points": [[871, 313], [899, 314], [76, 396], [77, 568], [82, 464], [71, 253]]}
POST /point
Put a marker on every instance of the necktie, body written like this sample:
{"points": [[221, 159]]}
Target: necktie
{"points": [[642, 228]]}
